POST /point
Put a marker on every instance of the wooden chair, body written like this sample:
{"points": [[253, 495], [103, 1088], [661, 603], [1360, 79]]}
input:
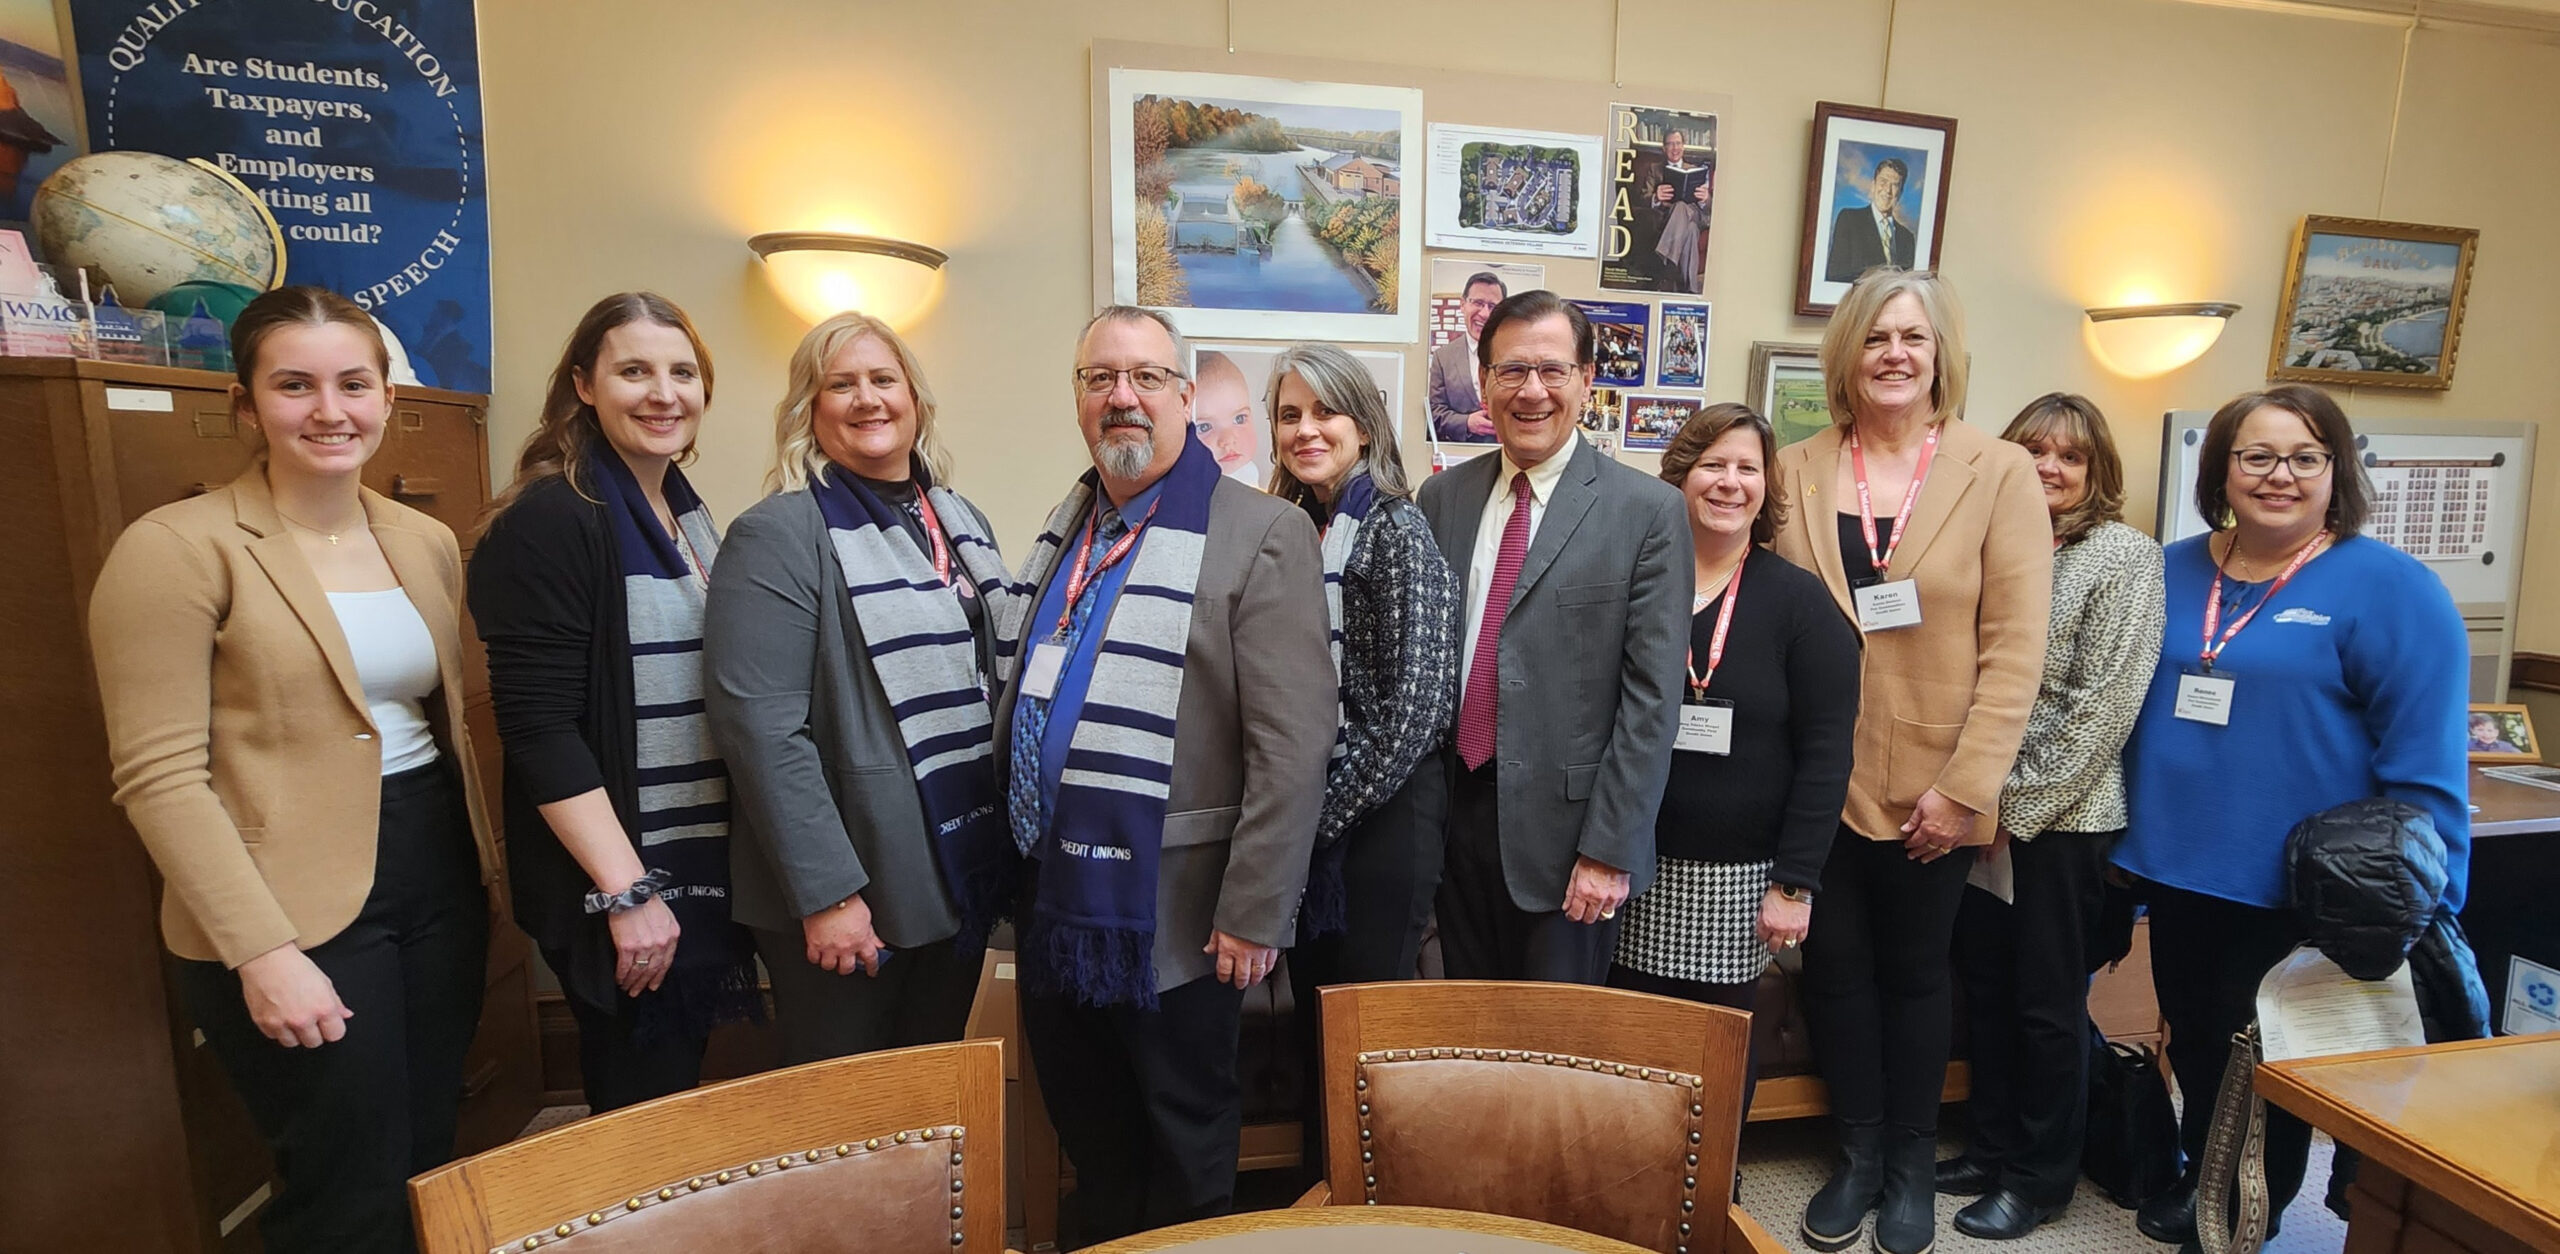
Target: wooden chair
{"points": [[898, 1150], [1610, 1112]]}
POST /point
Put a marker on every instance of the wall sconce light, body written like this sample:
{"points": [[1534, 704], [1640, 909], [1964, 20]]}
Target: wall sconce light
{"points": [[2140, 341], [820, 274]]}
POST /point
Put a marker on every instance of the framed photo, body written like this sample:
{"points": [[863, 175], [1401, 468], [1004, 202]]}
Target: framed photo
{"points": [[1652, 420], [1786, 387], [1513, 192], [1264, 208], [2501, 733], [1875, 194], [2375, 303], [1618, 335]]}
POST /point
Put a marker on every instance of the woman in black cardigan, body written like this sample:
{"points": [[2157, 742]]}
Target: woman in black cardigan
{"points": [[588, 586], [1762, 764]]}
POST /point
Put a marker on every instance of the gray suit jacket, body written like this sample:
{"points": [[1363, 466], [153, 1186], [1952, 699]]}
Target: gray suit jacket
{"points": [[822, 799], [1453, 392], [1591, 665], [1250, 737]]}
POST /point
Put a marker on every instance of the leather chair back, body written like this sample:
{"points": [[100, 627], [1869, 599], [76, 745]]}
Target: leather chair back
{"points": [[898, 1150], [1610, 1112]]}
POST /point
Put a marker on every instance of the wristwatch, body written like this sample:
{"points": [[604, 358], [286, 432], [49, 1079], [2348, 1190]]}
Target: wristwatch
{"points": [[1801, 896]]}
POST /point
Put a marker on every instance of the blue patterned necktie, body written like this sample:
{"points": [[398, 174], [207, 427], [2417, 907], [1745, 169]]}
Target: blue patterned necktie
{"points": [[1025, 801]]}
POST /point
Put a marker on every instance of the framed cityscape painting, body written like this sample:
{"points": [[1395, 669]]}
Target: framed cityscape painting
{"points": [[2372, 303]]}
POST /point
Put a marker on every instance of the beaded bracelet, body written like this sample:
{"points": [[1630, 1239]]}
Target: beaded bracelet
{"points": [[642, 889]]}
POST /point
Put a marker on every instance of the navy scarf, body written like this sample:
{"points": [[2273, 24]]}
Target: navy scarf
{"points": [[1322, 911]]}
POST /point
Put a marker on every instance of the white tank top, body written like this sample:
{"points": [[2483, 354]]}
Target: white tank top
{"points": [[396, 661]]}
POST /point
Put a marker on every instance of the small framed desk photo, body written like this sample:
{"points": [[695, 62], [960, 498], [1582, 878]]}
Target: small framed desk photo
{"points": [[2501, 733]]}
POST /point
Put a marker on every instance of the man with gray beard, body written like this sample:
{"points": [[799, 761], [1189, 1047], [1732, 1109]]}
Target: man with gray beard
{"points": [[1166, 729]]}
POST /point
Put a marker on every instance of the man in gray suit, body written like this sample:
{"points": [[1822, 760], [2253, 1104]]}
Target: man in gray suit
{"points": [[1457, 408], [1132, 1017], [1576, 574]]}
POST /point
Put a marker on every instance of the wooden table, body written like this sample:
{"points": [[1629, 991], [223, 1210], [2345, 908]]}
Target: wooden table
{"points": [[1367, 1230], [2461, 1142], [2512, 809]]}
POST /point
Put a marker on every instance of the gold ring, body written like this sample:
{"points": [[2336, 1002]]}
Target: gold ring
{"points": [[1608, 914]]}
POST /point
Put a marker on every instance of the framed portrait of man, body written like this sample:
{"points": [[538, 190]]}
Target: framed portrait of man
{"points": [[1875, 195]]}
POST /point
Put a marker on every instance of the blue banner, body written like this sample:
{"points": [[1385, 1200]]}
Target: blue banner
{"points": [[356, 121]]}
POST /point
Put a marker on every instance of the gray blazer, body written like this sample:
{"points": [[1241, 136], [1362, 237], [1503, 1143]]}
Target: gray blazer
{"points": [[1453, 392], [1250, 737], [1591, 665], [822, 799]]}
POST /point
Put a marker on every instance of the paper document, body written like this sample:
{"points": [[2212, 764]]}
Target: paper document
{"points": [[1993, 872], [2308, 1008]]}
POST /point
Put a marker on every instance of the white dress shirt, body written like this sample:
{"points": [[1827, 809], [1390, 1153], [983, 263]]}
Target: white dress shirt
{"points": [[1543, 478]]}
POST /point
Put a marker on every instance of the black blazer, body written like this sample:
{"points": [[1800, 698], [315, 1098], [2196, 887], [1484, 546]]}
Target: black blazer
{"points": [[1856, 248]]}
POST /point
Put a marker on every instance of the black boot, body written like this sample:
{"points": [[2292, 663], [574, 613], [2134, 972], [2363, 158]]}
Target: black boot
{"points": [[2004, 1215], [1907, 1218], [1833, 1217], [2171, 1217], [1966, 1176]]}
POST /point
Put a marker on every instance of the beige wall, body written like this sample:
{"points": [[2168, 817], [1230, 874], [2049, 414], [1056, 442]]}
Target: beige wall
{"points": [[2106, 148]]}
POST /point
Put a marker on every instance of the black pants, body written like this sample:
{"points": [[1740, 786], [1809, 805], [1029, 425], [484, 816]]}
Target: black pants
{"points": [[2026, 994], [2207, 956], [1876, 988], [617, 1065], [1484, 935], [1146, 1103], [1740, 997], [351, 1121], [1390, 872], [920, 997]]}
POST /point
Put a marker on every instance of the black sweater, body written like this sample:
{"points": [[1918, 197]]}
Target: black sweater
{"points": [[1791, 670]]}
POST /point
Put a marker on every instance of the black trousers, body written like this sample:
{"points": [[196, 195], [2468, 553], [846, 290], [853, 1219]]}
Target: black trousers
{"points": [[1876, 988], [920, 997], [1742, 997], [351, 1121], [2207, 956], [2026, 993], [1390, 872], [617, 1065], [1483, 934], [1146, 1103]]}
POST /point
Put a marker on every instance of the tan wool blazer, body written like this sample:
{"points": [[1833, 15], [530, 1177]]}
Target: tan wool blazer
{"points": [[243, 750], [1943, 704]]}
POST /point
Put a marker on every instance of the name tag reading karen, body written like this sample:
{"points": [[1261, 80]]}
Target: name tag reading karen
{"points": [[1885, 606], [1706, 727], [1040, 672], [2205, 698]]}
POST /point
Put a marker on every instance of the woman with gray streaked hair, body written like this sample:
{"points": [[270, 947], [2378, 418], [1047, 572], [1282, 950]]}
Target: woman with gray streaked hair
{"points": [[1395, 611]]}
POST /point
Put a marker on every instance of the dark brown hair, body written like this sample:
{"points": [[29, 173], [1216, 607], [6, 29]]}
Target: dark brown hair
{"points": [[298, 307], [2350, 494], [569, 429], [1701, 432], [2076, 419], [1531, 306]]}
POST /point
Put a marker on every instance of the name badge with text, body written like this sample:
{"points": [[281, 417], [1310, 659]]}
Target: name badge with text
{"points": [[2204, 698], [1885, 606], [1706, 727], [1040, 672]]}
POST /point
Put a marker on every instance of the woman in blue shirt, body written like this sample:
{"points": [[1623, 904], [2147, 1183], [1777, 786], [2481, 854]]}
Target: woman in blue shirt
{"points": [[2305, 666]]}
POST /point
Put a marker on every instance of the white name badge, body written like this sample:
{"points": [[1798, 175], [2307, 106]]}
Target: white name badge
{"points": [[1706, 728], [1885, 606], [2205, 698], [1040, 673]]}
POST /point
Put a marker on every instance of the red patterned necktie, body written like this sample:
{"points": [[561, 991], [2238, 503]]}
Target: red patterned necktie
{"points": [[1476, 710]]}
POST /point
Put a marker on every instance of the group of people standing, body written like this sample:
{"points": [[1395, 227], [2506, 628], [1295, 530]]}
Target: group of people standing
{"points": [[1603, 726]]}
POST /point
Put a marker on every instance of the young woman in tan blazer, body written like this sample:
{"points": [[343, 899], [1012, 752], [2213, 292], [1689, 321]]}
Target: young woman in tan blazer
{"points": [[1932, 537], [281, 664]]}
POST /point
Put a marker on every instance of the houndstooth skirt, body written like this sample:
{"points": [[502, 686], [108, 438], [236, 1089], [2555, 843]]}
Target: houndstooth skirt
{"points": [[1698, 922]]}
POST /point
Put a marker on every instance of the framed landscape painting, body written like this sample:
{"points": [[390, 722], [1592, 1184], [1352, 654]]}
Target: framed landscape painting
{"points": [[1786, 387], [2374, 303]]}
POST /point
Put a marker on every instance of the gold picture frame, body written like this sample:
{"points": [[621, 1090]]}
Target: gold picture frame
{"points": [[2511, 737], [2371, 303]]}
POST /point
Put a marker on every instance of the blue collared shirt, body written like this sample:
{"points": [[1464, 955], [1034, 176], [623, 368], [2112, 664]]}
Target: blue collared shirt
{"points": [[1083, 641]]}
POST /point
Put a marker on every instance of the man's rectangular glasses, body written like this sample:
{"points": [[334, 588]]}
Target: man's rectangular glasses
{"points": [[1099, 379], [1511, 376]]}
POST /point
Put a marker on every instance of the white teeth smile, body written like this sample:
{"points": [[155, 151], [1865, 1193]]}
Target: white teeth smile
{"points": [[337, 438]]}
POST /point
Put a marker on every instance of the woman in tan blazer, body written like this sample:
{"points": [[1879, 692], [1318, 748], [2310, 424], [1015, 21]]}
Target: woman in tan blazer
{"points": [[281, 667], [1932, 537]]}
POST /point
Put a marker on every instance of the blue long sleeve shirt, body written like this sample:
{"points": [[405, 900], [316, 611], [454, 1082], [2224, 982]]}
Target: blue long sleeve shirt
{"points": [[2351, 683]]}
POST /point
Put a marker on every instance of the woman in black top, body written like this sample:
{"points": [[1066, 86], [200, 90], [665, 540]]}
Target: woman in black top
{"points": [[1762, 764]]}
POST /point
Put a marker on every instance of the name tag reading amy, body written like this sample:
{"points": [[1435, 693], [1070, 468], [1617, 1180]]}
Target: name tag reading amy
{"points": [[2204, 698], [1040, 672], [1706, 727], [1885, 606]]}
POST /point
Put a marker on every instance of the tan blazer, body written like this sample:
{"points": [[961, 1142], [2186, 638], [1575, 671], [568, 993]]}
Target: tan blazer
{"points": [[243, 750], [1944, 704]]}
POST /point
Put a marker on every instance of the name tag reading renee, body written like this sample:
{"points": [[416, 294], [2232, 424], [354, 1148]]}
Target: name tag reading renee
{"points": [[1885, 606], [2205, 698], [1040, 672], [1706, 727]]}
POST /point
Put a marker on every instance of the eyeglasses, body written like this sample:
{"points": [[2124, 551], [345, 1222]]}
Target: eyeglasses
{"points": [[1099, 379], [1511, 376], [2310, 463]]}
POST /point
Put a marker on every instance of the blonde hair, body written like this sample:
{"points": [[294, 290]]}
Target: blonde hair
{"points": [[1846, 338], [796, 456]]}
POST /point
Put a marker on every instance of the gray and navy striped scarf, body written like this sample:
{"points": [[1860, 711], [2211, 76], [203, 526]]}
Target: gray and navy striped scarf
{"points": [[1322, 911], [926, 656]]}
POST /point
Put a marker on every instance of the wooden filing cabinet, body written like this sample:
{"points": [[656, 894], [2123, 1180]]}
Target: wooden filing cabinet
{"points": [[117, 1129]]}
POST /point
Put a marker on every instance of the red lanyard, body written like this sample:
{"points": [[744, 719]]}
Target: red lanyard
{"points": [[1724, 623], [1883, 557], [1086, 570], [941, 548], [2213, 599]]}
